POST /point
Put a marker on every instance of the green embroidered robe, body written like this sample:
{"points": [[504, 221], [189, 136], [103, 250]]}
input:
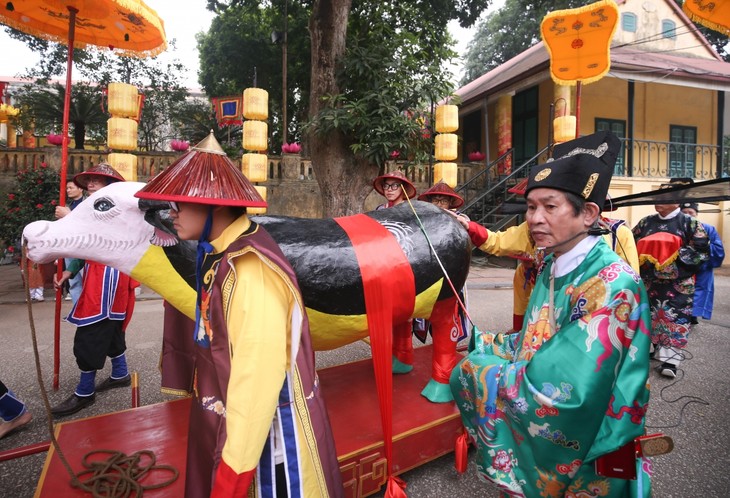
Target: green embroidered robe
{"points": [[542, 406]]}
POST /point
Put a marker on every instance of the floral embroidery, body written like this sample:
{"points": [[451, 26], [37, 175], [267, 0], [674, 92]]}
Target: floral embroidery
{"points": [[214, 405], [502, 461]]}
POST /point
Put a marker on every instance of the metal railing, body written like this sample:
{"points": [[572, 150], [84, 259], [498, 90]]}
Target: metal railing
{"points": [[655, 159], [489, 205]]}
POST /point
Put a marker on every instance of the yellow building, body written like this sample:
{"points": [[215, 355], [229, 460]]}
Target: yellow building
{"points": [[665, 95]]}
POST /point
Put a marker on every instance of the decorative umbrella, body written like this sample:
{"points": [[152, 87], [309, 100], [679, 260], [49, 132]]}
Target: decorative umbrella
{"points": [[578, 41], [710, 13], [129, 27]]}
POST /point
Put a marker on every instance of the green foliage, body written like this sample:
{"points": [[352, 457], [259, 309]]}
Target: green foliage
{"points": [[391, 75], [34, 198], [159, 82], [193, 120], [238, 47], [42, 107]]}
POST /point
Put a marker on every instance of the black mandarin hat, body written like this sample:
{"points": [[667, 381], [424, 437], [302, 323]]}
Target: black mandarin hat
{"points": [[583, 167]]}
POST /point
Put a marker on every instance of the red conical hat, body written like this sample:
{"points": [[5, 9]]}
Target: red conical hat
{"points": [[395, 175], [443, 189], [102, 169], [204, 175]]}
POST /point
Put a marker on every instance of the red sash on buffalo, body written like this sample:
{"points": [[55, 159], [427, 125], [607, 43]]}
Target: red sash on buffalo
{"points": [[390, 296]]}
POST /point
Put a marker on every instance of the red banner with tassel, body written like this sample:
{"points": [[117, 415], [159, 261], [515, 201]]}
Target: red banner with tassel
{"points": [[387, 300]]}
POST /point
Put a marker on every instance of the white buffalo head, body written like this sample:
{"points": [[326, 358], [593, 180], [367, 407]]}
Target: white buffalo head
{"points": [[109, 227]]}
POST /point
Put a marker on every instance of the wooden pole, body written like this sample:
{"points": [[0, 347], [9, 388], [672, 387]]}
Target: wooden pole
{"points": [[577, 109], [62, 194]]}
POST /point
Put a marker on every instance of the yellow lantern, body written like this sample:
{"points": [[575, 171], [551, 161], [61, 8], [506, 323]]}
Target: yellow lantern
{"points": [[255, 104], [126, 164], [445, 172], [255, 135], [122, 100], [257, 210], [254, 167], [447, 118], [121, 133], [446, 147], [564, 128]]}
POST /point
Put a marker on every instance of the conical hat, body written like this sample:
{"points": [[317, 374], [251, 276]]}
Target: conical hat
{"points": [[204, 175], [443, 189], [395, 175], [102, 169]]}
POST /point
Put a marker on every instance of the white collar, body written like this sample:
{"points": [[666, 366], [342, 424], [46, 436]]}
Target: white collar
{"points": [[565, 263], [670, 215]]}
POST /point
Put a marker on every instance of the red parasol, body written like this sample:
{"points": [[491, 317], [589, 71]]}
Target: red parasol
{"points": [[128, 27]]}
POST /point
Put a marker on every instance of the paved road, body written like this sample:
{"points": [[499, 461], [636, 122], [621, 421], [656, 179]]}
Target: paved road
{"points": [[697, 467]]}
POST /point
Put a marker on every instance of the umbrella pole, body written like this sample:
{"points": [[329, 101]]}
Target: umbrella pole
{"points": [[62, 194], [577, 109]]}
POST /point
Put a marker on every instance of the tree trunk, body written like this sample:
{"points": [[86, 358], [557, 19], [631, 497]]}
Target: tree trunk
{"points": [[344, 180]]}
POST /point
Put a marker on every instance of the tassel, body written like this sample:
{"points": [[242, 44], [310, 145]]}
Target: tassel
{"points": [[461, 449], [396, 488], [517, 322]]}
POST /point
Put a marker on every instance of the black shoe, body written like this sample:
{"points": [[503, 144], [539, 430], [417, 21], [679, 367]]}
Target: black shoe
{"points": [[694, 321], [73, 404], [112, 383], [668, 370]]}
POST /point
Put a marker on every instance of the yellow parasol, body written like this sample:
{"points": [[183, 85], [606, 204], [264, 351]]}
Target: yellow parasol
{"points": [[7, 111], [713, 14], [128, 27], [579, 41]]}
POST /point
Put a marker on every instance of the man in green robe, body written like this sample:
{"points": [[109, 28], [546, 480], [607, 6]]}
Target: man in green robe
{"points": [[545, 403]]}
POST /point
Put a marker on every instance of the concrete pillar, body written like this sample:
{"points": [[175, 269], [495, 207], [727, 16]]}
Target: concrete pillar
{"points": [[291, 166]]}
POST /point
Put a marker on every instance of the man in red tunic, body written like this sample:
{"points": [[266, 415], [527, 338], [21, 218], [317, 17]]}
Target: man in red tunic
{"points": [[101, 314]]}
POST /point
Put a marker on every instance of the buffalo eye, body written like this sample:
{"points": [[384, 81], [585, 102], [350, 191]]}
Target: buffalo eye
{"points": [[103, 204]]}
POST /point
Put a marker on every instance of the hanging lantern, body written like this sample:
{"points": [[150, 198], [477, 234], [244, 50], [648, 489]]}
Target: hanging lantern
{"points": [[255, 135], [445, 172], [125, 164], [446, 147], [257, 210], [121, 133], [256, 104], [254, 167], [447, 118], [122, 100], [564, 128]]}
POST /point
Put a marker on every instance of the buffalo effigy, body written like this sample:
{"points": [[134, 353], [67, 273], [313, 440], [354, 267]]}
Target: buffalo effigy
{"points": [[326, 254]]}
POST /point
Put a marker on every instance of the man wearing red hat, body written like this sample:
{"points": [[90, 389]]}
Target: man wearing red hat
{"points": [[258, 418], [442, 196], [395, 187], [101, 313]]}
